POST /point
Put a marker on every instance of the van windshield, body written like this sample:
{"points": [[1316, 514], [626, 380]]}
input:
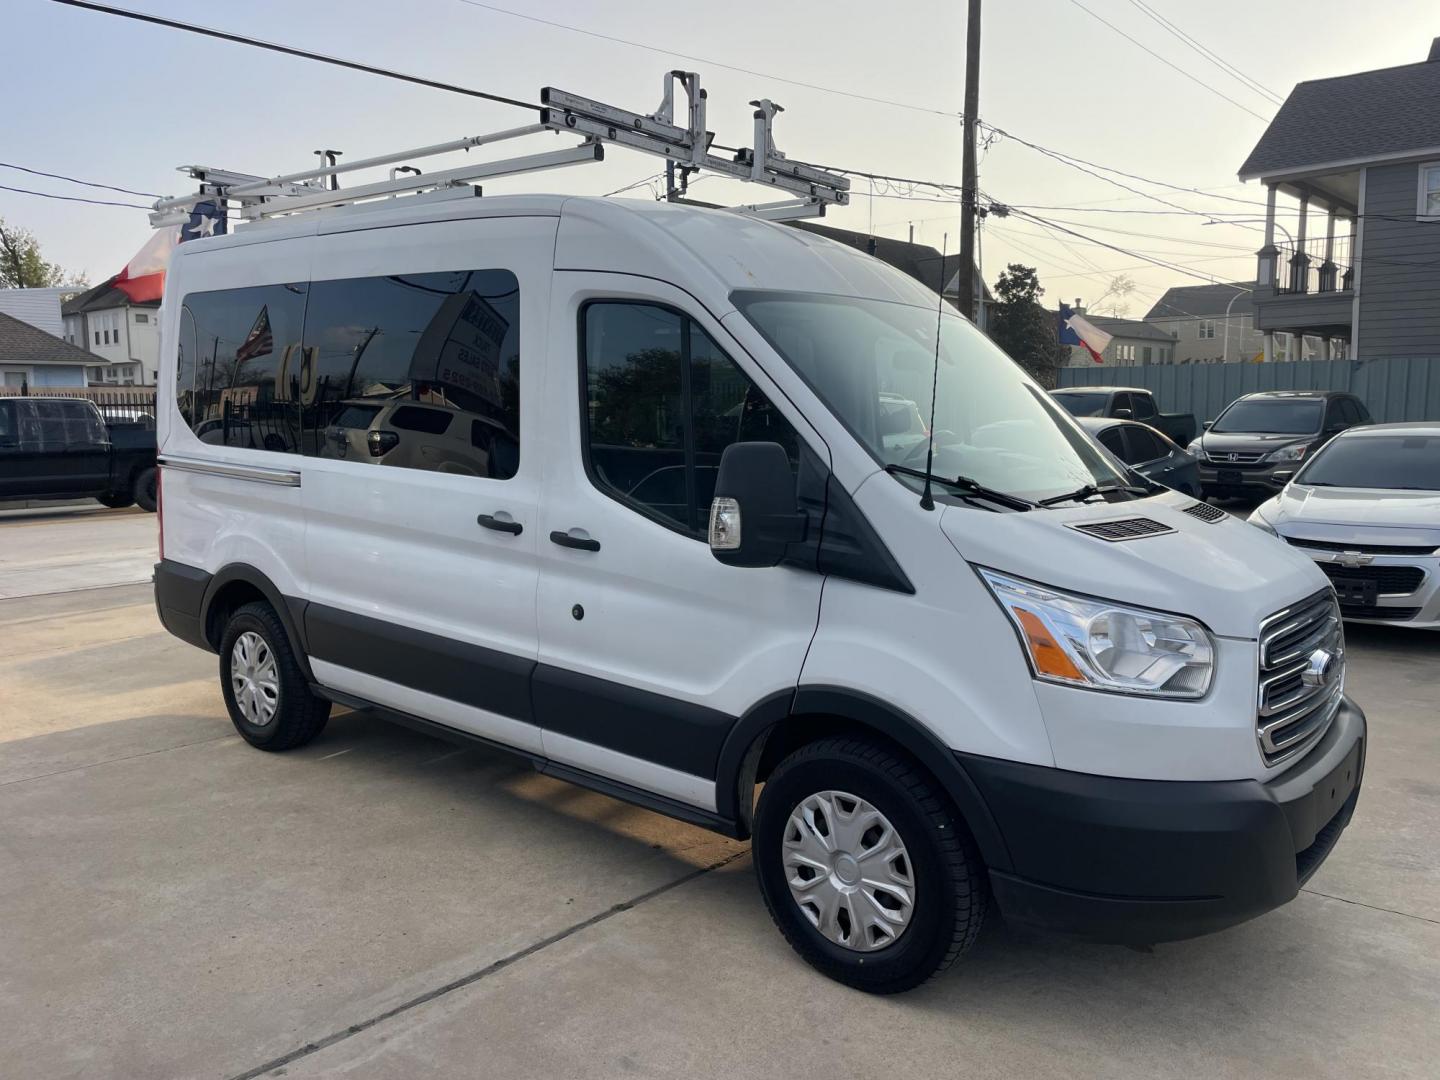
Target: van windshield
{"points": [[872, 362]]}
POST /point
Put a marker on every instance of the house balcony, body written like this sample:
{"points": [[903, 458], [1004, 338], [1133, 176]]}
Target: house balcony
{"points": [[1304, 283]]}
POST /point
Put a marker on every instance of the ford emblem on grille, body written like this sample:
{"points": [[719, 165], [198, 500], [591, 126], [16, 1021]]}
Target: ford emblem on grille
{"points": [[1317, 670]]}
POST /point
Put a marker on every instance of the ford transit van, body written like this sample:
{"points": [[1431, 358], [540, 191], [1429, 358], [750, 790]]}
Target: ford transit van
{"points": [[744, 526]]}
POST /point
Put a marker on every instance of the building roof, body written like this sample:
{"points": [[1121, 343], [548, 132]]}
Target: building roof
{"points": [[1203, 301], [1392, 111], [21, 343], [1128, 328], [101, 298], [920, 261]]}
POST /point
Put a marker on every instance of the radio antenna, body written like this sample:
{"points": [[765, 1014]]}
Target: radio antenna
{"points": [[927, 502]]}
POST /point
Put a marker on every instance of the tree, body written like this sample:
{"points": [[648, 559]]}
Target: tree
{"points": [[23, 267], [1021, 326], [1115, 300]]}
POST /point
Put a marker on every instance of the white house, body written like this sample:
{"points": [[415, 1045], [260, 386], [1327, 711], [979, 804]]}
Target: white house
{"points": [[124, 334], [38, 307]]}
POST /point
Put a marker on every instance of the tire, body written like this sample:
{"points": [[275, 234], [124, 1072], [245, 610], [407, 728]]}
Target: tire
{"points": [[144, 489], [946, 878], [115, 500], [293, 715]]}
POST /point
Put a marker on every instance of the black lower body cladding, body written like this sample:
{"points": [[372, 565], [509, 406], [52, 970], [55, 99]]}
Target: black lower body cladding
{"points": [[1141, 861]]}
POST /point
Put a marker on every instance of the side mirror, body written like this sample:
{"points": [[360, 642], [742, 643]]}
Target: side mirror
{"points": [[381, 442], [755, 514], [1206, 425], [1124, 414]]}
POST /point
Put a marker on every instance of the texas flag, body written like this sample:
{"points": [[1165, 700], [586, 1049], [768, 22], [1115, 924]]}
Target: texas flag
{"points": [[1078, 330], [144, 276]]}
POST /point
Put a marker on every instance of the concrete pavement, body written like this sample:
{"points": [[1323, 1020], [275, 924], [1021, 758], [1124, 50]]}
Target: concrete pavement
{"points": [[380, 904]]}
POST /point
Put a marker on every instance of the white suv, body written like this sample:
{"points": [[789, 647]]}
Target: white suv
{"points": [[698, 560]]}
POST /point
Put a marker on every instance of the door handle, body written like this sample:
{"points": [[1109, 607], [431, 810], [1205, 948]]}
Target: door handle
{"points": [[490, 521], [582, 543]]}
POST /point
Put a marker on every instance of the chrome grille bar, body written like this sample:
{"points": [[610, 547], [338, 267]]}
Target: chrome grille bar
{"points": [[1293, 710]]}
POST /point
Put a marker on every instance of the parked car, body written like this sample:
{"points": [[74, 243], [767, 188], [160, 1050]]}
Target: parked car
{"points": [[61, 448], [420, 435], [1147, 451], [1031, 682], [1258, 441], [1366, 508], [1126, 403]]}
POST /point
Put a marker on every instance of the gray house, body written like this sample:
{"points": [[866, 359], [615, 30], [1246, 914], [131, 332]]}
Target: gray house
{"points": [[1132, 341], [1355, 258], [32, 360]]}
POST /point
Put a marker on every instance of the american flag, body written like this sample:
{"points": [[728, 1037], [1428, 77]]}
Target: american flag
{"points": [[259, 341]]}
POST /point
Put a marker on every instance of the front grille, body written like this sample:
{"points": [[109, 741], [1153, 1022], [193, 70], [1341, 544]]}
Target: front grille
{"points": [[1293, 709], [1364, 549], [1391, 580], [1237, 457], [1388, 614], [1205, 512], [1124, 529]]}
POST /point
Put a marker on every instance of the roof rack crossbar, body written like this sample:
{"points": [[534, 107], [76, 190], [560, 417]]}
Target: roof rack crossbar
{"points": [[686, 144]]}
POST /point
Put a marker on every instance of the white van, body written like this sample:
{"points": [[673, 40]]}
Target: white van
{"points": [[703, 577]]}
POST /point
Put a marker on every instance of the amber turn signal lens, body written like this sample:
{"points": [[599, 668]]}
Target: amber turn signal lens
{"points": [[1050, 659]]}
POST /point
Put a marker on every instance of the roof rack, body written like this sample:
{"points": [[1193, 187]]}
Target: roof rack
{"points": [[686, 148]]}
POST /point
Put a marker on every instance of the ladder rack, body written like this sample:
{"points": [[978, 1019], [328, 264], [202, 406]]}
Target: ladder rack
{"points": [[686, 148]]}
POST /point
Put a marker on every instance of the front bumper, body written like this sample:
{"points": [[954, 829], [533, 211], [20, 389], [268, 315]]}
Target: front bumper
{"points": [[1142, 861], [1419, 608], [1223, 479]]}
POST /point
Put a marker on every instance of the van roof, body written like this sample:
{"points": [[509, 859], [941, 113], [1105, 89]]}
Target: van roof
{"points": [[709, 253]]}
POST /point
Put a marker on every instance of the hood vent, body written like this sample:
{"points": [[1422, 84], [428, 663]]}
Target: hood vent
{"points": [[1124, 529], [1205, 512]]}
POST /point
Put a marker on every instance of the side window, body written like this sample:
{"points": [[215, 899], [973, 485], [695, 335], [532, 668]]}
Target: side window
{"points": [[240, 351], [1144, 406], [9, 425], [1119, 402], [419, 371], [50, 425], [1111, 440], [1143, 446], [1361, 412], [662, 403], [82, 424]]}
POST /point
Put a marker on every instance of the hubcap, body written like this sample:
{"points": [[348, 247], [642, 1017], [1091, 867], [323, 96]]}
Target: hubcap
{"points": [[848, 871], [253, 679]]}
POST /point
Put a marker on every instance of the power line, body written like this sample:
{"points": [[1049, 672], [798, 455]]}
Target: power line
{"points": [[1176, 67], [72, 198], [304, 54], [1124, 251], [74, 180], [1209, 54], [705, 60]]}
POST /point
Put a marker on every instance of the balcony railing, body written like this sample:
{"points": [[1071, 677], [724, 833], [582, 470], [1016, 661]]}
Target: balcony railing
{"points": [[1303, 268]]}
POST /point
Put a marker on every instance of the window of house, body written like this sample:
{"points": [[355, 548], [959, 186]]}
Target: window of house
{"points": [[1281, 350], [1429, 190], [1205, 331], [97, 337], [142, 317], [663, 402], [1124, 352], [419, 371]]}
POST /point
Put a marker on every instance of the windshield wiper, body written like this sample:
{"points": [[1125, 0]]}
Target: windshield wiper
{"points": [[965, 484], [1090, 491]]}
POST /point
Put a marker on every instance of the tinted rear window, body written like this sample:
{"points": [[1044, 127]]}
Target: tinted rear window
{"points": [[429, 421], [1274, 417], [356, 416], [1377, 462], [1083, 404]]}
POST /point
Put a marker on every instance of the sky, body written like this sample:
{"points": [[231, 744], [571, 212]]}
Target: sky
{"points": [[110, 100]]}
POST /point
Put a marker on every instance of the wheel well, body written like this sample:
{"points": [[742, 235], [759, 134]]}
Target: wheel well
{"points": [[231, 596]]}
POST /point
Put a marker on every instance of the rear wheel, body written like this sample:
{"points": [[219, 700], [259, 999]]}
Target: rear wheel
{"points": [[115, 500], [144, 490], [865, 867], [266, 693]]}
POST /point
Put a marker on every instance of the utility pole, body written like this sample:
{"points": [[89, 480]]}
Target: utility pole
{"points": [[969, 195]]}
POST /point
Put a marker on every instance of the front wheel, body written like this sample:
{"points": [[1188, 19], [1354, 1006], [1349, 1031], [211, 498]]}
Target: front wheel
{"points": [[115, 500], [269, 701], [144, 490], [865, 867]]}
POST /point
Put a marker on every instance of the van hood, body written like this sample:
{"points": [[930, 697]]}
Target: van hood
{"points": [[1363, 513], [1227, 574]]}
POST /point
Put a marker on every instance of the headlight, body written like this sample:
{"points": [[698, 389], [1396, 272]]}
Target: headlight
{"points": [[1289, 453], [1080, 641], [1197, 449]]}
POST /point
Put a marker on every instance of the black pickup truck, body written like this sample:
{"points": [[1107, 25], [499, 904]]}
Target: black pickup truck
{"points": [[1126, 403], [61, 448]]}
